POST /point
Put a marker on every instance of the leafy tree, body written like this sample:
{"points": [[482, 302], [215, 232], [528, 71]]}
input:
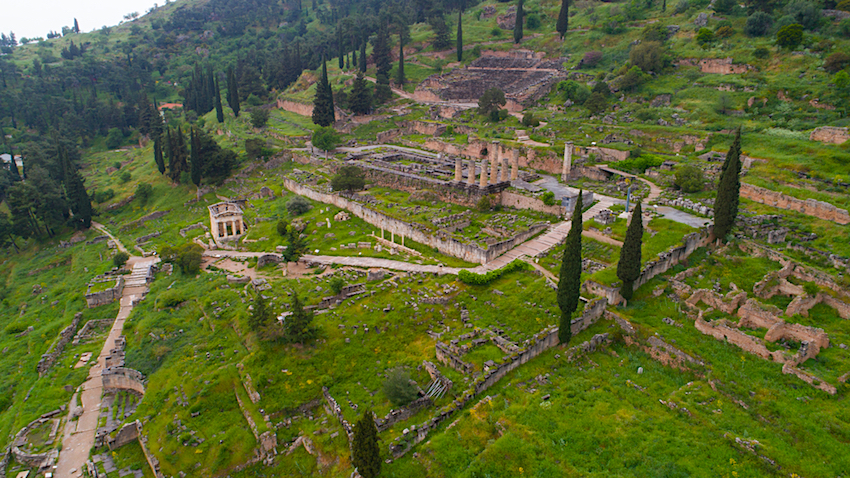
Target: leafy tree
{"points": [[7, 231], [628, 269], [563, 24], [841, 79], [256, 147], [114, 138], [282, 227], [758, 24], [804, 12], [297, 206], [705, 37], [725, 7], [259, 117], [533, 22], [348, 178], [261, 314], [365, 453], [529, 120], [325, 139], [298, 327], [143, 193], [689, 178], [596, 102], [492, 100], [336, 283], [323, 104], [219, 110], [632, 79], [360, 100], [398, 388], [790, 36], [296, 246], [569, 277], [120, 258], [459, 41], [519, 19], [728, 191]]}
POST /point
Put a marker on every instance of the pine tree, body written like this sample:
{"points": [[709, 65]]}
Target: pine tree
{"points": [[197, 162], [365, 453], [728, 191], [569, 278], [261, 314], [520, 14], [664, 5], [363, 57], [178, 155], [563, 18], [76, 26], [341, 55], [460, 34], [323, 104], [75, 192], [360, 99], [219, 111], [381, 54], [628, 269], [13, 168], [157, 154], [298, 327]]}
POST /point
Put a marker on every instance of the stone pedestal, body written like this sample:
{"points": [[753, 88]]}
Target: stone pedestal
{"points": [[483, 180], [458, 170]]}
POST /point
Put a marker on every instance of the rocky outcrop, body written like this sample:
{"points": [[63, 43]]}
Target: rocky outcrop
{"points": [[830, 134]]}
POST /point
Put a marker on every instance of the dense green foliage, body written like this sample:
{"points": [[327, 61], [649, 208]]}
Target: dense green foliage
{"points": [[473, 278], [349, 178], [365, 453], [628, 268], [728, 191], [569, 277], [398, 388]]}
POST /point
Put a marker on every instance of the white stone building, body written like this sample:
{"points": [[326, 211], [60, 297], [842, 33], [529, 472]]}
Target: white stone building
{"points": [[226, 221]]}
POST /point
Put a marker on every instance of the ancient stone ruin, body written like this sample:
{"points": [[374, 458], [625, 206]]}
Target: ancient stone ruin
{"points": [[226, 221]]}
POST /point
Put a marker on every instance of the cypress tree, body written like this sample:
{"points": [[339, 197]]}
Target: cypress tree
{"points": [[229, 95], [298, 327], [178, 155], [520, 14], [366, 455], [261, 314], [196, 159], [400, 73], [232, 92], [353, 53], [323, 104], [664, 5], [460, 35], [363, 57], [75, 191], [628, 269], [13, 168], [219, 111], [728, 191], [360, 100], [569, 278], [563, 18], [157, 154], [341, 55]]}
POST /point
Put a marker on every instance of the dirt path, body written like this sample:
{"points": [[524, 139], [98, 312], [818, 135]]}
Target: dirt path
{"points": [[78, 436], [598, 236], [102, 228]]}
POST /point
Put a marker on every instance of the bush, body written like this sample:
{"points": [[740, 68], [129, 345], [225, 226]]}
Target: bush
{"points": [[836, 62], [548, 198], [532, 22], [116, 165], [255, 148], [639, 164], [187, 256], [725, 7], [632, 79], [496, 32], [804, 12], [143, 193], [120, 258], [724, 32], [325, 138], [790, 36], [591, 59], [573, 91], [484, 204], [259, 117], [103, 196], [473, 278], [529, 120], [648, 56], [491, 101], [497, 116], [337, 283], [655, 32], [297, 206], [682, 6], [114, 138], [705, 37], [761, 53], [811, 288], [169, 299], [689, 178], [349, 178], [282, 227], [398, 388], [125, 177]]}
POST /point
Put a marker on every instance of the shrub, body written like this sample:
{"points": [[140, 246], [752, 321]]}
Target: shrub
{"points": [[655, 32], [255, 147], [532, 22], [836, 62], [120, 258], [811, 288], [844, 27], [484, 204], [282, 227], [689, 178], [116, 165], [349, 178], [632, 79], [398, 387], [591, 59], [259, 117], [758, 24], [647, 56], [496, 116], [491, 101], [496, 32], [187, 256], [790, 36], [125, 177], [573, 91], [548, 198], [473, 278], [325, 138], [843, 5], [705, 37], [103, 196], [682, 6], [724, 6], [297, 206], [143, 193], [804, 12], [529, 120], [596, 103], [639, 164], [169, 299], [114, 138], [724, 32], [337, 283], [761, 52]]}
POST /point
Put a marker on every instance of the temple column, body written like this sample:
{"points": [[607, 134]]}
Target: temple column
{"points": [[392, 237], [494, 163], [514, 164], [568, 161], [470, 176], [458, 170], [504, 176], [483, 180]]}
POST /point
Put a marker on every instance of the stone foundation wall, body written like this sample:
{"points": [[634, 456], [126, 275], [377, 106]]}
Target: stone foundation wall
{"points": [[811, 207], [56, 349], [332, 407], [303, 109], [128, 433], [96, 299], [713, 299], [591, 313], [830, 134], [120, 378], [402, 414], [720, 331], [754, 315], [518, 201], [450, 359], [809, 378]]}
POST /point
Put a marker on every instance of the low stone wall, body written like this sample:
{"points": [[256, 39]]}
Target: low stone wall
{"points": [[591, 313], [96, 299], [450, 359], [448, 246], [809, 378], [303, 109], [728, 305], [128, 433], [720, 331], [402, 414], [810, 207], [332, 407], [47, 360], [754, 315], [830, 134], [120, 378], [153, 463], [519, 201], [668, 354], [142, 220], [436, 375], [86, 332]]}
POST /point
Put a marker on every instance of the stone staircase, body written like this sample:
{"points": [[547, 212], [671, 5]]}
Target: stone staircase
{"points": [[141, 275]]}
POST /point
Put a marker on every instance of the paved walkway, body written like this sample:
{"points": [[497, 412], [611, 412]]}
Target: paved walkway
{"points": [[78, 437]]}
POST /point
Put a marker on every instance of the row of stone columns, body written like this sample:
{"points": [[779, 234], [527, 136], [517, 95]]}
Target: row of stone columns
{"points": [[236, 226], [495, 176]]}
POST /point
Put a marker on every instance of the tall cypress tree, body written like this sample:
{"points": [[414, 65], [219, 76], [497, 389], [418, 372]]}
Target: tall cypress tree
{"points": [[363, 57], [664, 5], [229, 95], [157, 154], [728, 191], [400, 73], [178, 155], [366, 455], [460, 34], [232, 92], [520, 14], [383, 64], [219, 111], [196, 159], [569, 278], [563, 18], [341, 55], [323, 104], [628, 269], [75, 191]]}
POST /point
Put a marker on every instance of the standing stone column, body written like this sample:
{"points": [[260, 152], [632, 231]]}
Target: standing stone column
{"points": [[504, 176], [568, 160], [494, 163], [514, 165], [483, 182], [458, 170], [470, 174]]}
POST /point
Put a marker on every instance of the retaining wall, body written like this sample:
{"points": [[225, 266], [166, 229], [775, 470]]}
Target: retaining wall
{"points": [[120, 378], [128, 433], [518, 201], [56, 349], [96, 299], [811, 207]]}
